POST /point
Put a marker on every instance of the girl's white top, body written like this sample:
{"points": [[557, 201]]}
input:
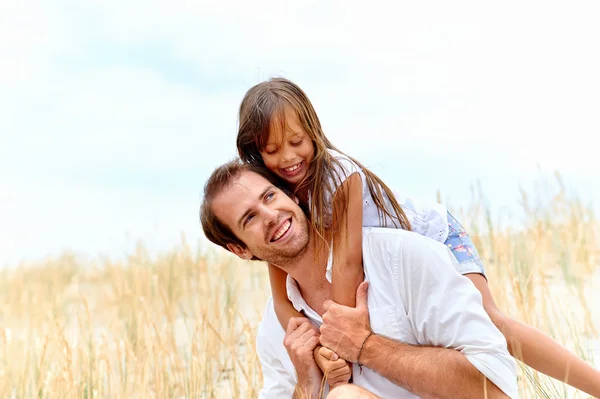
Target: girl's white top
{"points": [[428, 219]]}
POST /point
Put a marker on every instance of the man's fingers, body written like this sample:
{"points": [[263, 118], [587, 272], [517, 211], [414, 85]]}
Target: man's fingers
{"points": [[306, 335], [297, 328], [328, 353], [294, 323], [312, 342], [361, 296]]}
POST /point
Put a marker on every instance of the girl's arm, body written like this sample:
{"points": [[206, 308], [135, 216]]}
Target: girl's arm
{"points": [[536, 349], [347, 223], [283, 307]]}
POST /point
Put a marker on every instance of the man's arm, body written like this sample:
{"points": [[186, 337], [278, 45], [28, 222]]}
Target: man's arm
{"points": [[279, 379], [425, 371], [446, 315], [286, 358], [301, 339], [446, 310]]}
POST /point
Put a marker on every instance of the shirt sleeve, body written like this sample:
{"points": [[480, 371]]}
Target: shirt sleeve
{"points": [[446, 310], [342, 170], [278, 382]]}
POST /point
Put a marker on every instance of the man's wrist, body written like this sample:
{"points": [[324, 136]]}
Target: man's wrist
{"points": [[360, 349], [371, 350]]}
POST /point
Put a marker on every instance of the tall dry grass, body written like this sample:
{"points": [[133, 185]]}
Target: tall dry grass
{"points": [[183, 324]]}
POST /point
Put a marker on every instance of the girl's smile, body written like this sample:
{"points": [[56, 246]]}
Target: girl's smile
{"points": [[288, 153]]}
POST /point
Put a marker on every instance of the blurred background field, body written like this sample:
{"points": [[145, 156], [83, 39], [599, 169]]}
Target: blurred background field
{"points": [[113, 114], [183, 323]]}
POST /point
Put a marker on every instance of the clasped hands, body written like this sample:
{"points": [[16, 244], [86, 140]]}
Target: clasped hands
{"points": [[329, 350]]}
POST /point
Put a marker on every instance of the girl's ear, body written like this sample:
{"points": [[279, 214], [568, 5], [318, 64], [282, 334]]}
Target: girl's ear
{"points": [[296, 200], [243, 253]]}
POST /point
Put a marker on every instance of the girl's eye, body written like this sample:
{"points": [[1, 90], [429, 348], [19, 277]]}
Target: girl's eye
{"points": [[271, 152], [296, 143]]}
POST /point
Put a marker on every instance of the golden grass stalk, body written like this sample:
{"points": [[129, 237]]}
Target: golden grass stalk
{"points": [[183, 324]]}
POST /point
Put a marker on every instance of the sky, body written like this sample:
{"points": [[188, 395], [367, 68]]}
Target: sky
{"points": [[113, 114]]}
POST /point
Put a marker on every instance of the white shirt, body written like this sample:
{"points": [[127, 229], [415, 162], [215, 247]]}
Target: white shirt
{"points": [[415, 296], [429, 219]]}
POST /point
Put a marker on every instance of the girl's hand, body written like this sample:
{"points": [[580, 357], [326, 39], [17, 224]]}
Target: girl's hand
{"points": [[336, 370]]}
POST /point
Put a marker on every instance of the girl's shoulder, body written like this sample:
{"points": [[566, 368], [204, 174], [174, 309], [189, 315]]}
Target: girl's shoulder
{"points": [[343, 166]]}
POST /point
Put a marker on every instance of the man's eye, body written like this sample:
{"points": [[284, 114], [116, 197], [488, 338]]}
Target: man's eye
{"points": [[249, 218], [269, 196]]}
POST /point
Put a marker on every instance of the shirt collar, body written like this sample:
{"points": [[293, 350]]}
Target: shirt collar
{"points": [[298, 301]]}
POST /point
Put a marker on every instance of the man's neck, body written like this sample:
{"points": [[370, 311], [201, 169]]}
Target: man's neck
{"points": [[309, 272]]}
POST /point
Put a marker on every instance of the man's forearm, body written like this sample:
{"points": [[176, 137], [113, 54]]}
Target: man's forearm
{"points": [[426, 371]]}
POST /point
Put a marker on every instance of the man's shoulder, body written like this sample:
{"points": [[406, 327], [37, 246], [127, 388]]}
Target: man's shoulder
{"points": [[269, 324], [393, 235], [398, 240]]}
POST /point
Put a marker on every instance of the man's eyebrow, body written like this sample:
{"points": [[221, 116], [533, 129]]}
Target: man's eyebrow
{"points": [[248, 211]]}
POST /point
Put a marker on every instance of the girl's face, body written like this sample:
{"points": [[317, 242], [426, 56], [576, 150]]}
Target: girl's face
{"points": [[288, 154]]}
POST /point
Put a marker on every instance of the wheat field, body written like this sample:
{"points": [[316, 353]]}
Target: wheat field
{"points": [[183, 324]]}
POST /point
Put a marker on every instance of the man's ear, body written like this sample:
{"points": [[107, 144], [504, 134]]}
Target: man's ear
{"points": [[243, 253]]}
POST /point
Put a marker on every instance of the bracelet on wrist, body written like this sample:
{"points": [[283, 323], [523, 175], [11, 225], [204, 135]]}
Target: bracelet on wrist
{"points": [[360, 351]]}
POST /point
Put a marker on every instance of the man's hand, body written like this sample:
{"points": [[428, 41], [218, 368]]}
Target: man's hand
{"points": [[337, 371], [344, 329], [301, 338]]}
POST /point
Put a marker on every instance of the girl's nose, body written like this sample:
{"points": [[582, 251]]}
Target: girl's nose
{"points": [[287, 154]]}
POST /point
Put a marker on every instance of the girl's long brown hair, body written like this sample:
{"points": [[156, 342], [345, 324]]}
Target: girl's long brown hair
{"points": [[264, 104]]}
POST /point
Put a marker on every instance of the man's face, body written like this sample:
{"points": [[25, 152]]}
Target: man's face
{"points": [[270, 223]]}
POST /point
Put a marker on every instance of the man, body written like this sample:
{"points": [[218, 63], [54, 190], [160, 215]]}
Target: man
{"points": [[418, 330]]}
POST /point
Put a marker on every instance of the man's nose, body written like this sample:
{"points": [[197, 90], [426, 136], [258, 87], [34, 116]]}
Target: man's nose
{"points": [[270, 216]]}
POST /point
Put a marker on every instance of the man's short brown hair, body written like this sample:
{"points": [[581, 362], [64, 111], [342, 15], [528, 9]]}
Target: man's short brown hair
{"points": [[214, 229]]}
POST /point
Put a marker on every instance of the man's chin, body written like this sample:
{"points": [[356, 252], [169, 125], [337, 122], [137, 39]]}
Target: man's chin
{"points": [[283, 258]]}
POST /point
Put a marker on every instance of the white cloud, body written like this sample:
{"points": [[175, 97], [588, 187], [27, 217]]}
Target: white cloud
{"points": [[408, 87]]}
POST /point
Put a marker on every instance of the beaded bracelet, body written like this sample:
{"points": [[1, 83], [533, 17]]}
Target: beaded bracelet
{"points": [[360, 350]]}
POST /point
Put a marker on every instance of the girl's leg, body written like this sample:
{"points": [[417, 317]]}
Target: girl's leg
{"points": [[531, 346], [537, 350]]}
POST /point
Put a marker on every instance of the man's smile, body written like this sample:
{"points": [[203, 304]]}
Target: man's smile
{"points": [[281, 231]]}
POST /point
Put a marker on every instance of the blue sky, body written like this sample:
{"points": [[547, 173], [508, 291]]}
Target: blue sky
{"points": [[113, 114]]}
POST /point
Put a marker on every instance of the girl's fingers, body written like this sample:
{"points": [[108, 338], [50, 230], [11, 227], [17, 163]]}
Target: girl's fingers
{"points": [[341, 379], [328, 353], [340, 372], [337, 365]]}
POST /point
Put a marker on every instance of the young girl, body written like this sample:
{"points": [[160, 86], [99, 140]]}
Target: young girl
{"points": [[278, 127]]}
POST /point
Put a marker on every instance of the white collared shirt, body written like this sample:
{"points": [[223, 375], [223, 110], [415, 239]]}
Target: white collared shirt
{"points": [[415, 296]]}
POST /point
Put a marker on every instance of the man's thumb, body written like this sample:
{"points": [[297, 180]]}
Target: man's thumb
{"points": [[361, 295]]}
